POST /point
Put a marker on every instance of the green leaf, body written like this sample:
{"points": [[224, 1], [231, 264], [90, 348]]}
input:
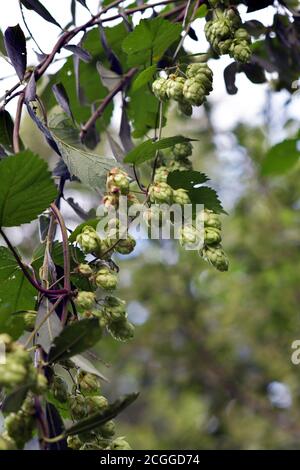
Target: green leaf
{"points": [[6, 130], [97, 419], [281, 158], [86, 365], [146, 150], [92, 223], [201, 12], [16, 294], [186, 179], [75, 339], [26, 190], [208, 197], [150, 39], [144, 77], [14, 400], [143, 111], [90, 168]]}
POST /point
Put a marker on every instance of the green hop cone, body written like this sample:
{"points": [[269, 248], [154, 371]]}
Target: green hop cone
{"points": [[182, 165], [234, 18], [211, 219], [189, 236], [160, 193], [125, 246], [114, 308], [7, 443], [182, 151], [240, 51], [29, 320], [88, 240], [111, 201], [85, 299], [203, 74], [186, 108], [120, 444], [159, 88], [84, 269], [88, 383], [106, 278], [74, 442], [19, 427], [175, 87], [96, 404], [216, 256], [212, 235], [161, 175], [121, 330], [41, 384], [59, 389], [117, 181], [180, 196], [77, 405], [194, 92], [108, 429]]}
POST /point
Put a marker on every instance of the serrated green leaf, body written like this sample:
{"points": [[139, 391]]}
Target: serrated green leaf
{"points": [[89, 168], [97, 419], [186, 179], [281, 158], [208, 197], [150, 39], [144, 77], [146, 150], [26, 190], [75, 339]]}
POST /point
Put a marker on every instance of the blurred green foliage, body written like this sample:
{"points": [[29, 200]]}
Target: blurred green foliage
{"points": [[213, 344]]}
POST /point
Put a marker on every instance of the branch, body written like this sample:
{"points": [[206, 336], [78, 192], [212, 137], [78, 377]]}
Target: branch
{"points": [[66, 254], [99, 111], [16, 133]]}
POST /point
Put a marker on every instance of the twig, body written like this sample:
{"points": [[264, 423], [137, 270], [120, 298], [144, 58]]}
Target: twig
{"points": [[16, 133], [66, 254]]}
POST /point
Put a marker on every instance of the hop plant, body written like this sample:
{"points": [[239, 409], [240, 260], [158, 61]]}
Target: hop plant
{"points": [[120, 444], [77, 405], [174, 87], [161, 175], [159, 88], [160, 193], [202, 73], [114, 308], [117, 181], [182, 165], [20, 426], [216, 256], [106, 278], [88, 240], [125, 246], [85, 299], [84, 270], [108, 429], [188, 236], [6, 442], [74, 442], [194, 92], [122, 330], [180, 196], [212, 235], [211, 219], [96, 403], [29, 320], [182, 151], [59, 389], [87, 383]]}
